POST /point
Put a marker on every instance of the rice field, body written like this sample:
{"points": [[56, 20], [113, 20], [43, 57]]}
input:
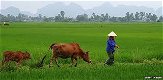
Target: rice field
{"points": [[140, 53]]}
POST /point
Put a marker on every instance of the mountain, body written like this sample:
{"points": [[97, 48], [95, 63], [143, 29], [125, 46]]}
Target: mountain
{"points": [[27, 13], [159, 11], [71, 10], [118, 10], [104, 8], [14, 11], [74, 10], [10, 10]]}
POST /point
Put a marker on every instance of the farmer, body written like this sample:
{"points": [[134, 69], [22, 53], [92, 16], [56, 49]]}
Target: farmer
{"points": [[110, 48]]}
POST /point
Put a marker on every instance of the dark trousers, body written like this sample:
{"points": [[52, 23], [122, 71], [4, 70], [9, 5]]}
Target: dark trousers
{"points": [[110, 60]]}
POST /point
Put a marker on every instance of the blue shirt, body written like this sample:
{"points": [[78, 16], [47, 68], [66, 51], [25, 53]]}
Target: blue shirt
{"points": [[110, 45]]}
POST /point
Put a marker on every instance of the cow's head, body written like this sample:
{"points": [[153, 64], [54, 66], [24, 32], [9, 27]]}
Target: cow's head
{"points": [[27, 55], [86, 57]]}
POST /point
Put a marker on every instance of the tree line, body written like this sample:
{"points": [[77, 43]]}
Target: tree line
{"points": [[129, 17]]}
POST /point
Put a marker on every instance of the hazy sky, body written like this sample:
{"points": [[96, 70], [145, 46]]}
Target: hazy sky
{"points": [[33, 5]]}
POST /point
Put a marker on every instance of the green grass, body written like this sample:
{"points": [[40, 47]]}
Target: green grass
{"points": [[140, 53], [87, 72]]}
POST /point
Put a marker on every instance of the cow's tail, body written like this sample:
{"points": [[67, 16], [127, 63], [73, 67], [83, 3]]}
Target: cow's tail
{"points": [[42, 61], [40, 64]]}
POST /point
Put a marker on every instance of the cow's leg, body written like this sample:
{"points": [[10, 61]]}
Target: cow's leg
{"points": [[75, 61], [56, 61], [51, 60], [72, 61], [18, 63], [5, 61]]}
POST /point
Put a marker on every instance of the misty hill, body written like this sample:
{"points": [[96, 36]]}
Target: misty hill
{"points": [[14, 11], [159, 11], [27, 13], [72, 10], [119, 10], [10, 10]]}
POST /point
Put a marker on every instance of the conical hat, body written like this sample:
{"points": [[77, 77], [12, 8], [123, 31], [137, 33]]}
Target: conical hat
{"points": [[112, 34]]}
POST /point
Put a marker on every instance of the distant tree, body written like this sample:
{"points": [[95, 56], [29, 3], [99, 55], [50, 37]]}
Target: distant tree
{"points": [[83, 17], [68, 19], [58, 18], [51, 19], [19, 17], [113, 19], [48, 19], [131, 17], [148, 16], [91, 18], [160, 19], [45, 19], [142, 15], [94, 15], [98, 18], [154, 18], [127, 16], [121, 19], [11, 18], [106, 17], [3, 18], [136, 16], [102, 17], [62, 14], [40, 17]]}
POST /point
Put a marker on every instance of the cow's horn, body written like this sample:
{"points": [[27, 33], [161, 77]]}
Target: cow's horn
{"points": [[87, 51]]}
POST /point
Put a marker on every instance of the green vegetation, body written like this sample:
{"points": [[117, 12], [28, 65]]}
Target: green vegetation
{"points": [[140, 53]]}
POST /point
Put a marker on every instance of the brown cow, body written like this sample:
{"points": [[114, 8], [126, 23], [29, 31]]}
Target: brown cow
{"points": [[18, 56], [68, 50]]}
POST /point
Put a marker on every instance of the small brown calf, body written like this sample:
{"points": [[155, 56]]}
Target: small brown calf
{"points": [[17, 56]]}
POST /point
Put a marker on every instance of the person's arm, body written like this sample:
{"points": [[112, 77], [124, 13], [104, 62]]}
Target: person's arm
{"points": [[113, 44], [116, 46]]}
